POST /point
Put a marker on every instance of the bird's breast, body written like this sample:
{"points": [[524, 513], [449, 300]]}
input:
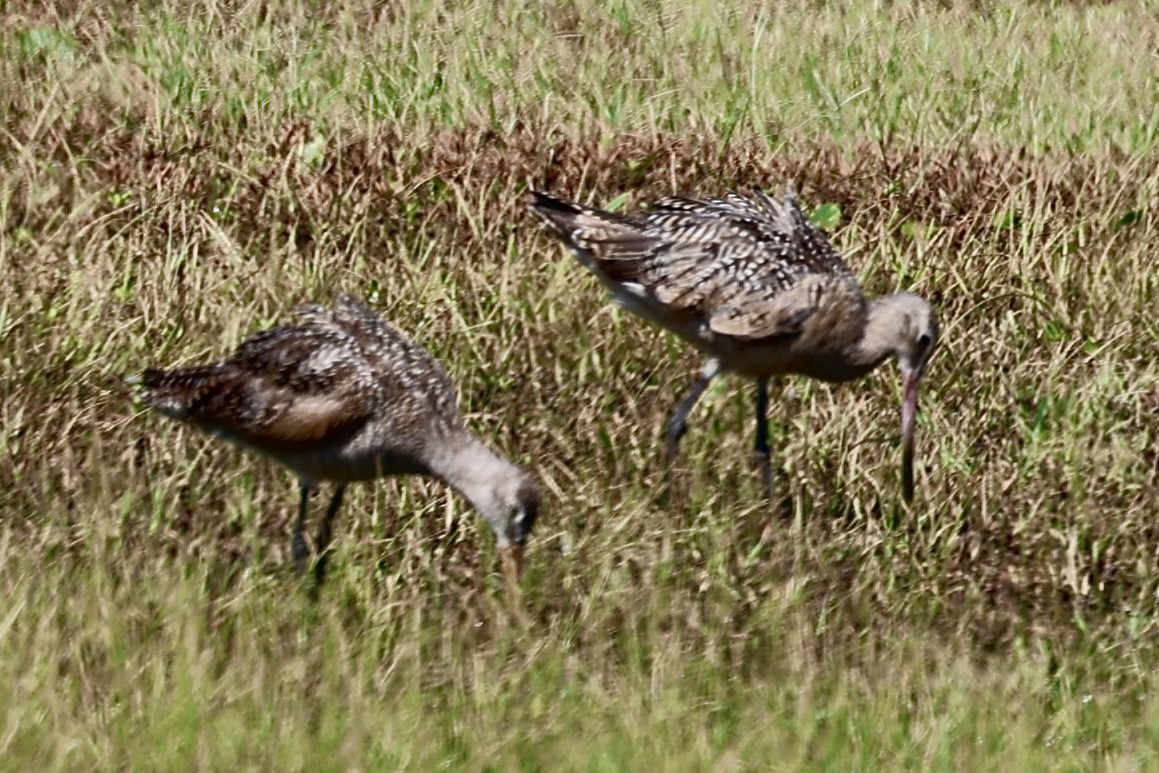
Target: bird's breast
{"points": [[351, 465]]}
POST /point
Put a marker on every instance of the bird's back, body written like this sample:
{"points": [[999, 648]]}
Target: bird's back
{"points": [[338, 386], [747, 268]]}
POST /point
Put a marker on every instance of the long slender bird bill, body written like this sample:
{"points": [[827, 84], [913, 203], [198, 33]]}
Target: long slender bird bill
{"points": [[909, 413], [511, 557]]}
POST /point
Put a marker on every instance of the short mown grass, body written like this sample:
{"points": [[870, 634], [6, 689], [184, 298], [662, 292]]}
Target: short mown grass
{"points": [[175, 177]]}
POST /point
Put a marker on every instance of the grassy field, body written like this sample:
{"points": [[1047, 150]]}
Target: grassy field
{"points": [[174, 176]]}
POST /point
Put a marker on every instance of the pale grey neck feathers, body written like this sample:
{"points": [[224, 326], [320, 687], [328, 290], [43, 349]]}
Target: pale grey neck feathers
{"points": [[496, 487]]}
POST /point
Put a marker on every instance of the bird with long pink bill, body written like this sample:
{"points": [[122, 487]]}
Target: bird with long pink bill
{"points": [[758, 289], [341, 396]]}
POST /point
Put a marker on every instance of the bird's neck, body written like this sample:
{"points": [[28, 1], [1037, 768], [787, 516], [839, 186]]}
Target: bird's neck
{"points": [[467, 465], [879, 337]]}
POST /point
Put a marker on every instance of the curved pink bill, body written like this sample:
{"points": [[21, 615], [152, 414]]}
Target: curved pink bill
{"points": [[909, 413], [511, 558]]}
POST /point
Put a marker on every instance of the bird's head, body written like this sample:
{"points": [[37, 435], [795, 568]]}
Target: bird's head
{"points": [[506, 496], [502, 492], [917, 338], [520, 508]]}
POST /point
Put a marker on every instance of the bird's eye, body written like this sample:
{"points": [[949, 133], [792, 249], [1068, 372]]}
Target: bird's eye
{"points": [[924, 341]]}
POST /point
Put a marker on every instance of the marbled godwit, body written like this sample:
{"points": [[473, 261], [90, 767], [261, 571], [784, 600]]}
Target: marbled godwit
{"points": [[344, 397], [755, 286]]}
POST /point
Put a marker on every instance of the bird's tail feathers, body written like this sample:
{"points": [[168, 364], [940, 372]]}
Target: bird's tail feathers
{"points": [[175, 393], [600, 234]]}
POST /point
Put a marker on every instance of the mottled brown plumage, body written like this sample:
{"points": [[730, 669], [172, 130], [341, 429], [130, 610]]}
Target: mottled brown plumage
{"points": [[344, 397], [756, 286]]}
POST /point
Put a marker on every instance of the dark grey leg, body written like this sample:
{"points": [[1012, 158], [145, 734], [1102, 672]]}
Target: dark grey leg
{"points": [[300, 551], [323, 543], [762, 444], [679, 421]]}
